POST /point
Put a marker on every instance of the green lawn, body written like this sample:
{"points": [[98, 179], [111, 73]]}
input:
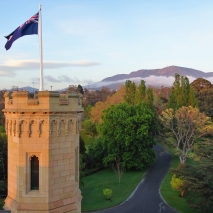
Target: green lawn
{"points": [[1, 203], [171, 196], [92, 191]]}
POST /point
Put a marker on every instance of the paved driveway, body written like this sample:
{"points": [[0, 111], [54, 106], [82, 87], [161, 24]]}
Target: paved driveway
{"points": [[146, 197]]}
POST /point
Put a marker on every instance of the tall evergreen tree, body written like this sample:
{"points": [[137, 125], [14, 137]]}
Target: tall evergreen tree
{"points": [[140, 93], [182, 93], [130, 89], [149, 98]]}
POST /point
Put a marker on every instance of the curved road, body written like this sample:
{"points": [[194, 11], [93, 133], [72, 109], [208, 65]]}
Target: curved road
{"points": [[146, 197]]}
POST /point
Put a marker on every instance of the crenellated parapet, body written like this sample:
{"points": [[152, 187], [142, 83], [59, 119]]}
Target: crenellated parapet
{"points": [[45, 101], [47, 114]]}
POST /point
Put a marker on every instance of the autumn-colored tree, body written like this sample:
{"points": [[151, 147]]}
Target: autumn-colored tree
{"points": [[91, 97], [182, 93], [130, 93], [200, 84], [204, 94], [183, 127], [97, 111]]}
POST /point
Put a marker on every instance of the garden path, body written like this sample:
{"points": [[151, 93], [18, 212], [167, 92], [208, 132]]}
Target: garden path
{"points": [[146, 198]]}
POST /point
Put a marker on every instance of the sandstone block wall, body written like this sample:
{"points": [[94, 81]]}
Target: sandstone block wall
{"points": [[46, 127]]}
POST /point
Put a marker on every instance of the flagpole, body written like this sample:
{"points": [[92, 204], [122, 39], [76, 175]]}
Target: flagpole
{"points": [[41, 52]]}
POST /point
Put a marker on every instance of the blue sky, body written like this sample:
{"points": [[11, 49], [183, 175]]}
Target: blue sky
{"points": [[86, 41]]}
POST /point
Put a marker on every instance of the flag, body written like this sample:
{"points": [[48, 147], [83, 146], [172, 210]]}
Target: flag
{"points": [[29, 27]]}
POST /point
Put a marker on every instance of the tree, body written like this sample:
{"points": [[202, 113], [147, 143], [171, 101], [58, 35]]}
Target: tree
{"points": [[2, 119], [183, 128], [93, 158], [90, 97], [118, 169], [200, 84], [87, 111], [80, 89], [130, 89], [140, 93], [178, 184], [127, 134], [3, 162], [3, 154], [149, 99], [82, 146], [182, 93], [203, 90], [89, 128], [97, 111], [199, 176]]}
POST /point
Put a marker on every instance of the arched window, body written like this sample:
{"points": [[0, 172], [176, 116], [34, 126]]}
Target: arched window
{"points": [[34, 183]]}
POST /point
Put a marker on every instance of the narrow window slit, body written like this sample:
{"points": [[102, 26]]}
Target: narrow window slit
{"points": [[34, 173]]}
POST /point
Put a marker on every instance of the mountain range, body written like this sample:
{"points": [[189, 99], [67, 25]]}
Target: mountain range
{"points": [[152, 77]]}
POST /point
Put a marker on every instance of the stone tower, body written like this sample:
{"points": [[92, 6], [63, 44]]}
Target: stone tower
{"points": [[43, 152]]}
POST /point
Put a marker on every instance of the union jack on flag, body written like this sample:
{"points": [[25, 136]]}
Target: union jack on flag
{"points": [[29, 27], [33, 19]]}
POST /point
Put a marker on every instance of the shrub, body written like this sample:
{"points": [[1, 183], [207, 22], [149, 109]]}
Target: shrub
{"points": [[107, 193], [178, 184]]}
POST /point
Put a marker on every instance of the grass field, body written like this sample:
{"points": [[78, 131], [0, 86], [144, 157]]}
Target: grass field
{"points": [[92, 191], [172, 197]]}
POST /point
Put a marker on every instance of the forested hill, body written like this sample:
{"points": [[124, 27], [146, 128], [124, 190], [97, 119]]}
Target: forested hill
{"points": [[166, 71]]}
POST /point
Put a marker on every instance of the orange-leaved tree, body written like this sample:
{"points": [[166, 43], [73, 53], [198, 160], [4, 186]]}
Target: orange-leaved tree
{"points": [[97, 111]]}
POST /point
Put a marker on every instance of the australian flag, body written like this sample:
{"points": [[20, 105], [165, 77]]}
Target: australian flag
{"points": [[29, 27]]}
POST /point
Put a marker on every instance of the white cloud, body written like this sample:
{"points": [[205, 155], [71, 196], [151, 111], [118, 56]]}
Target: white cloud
{"points": [[63, 79], [152, 80], [5, 72], [10, 66], [51, 79]]}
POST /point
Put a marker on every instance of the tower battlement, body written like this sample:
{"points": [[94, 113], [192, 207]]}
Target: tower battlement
{"points": [[46, 101]]}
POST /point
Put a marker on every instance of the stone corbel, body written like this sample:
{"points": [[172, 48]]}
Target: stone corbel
{"points": [[70, 123], [19, 128], [14, 127], [63, 121], [30, 127], [58, 127], [39, 127], [10, 126], [67, 127]]}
